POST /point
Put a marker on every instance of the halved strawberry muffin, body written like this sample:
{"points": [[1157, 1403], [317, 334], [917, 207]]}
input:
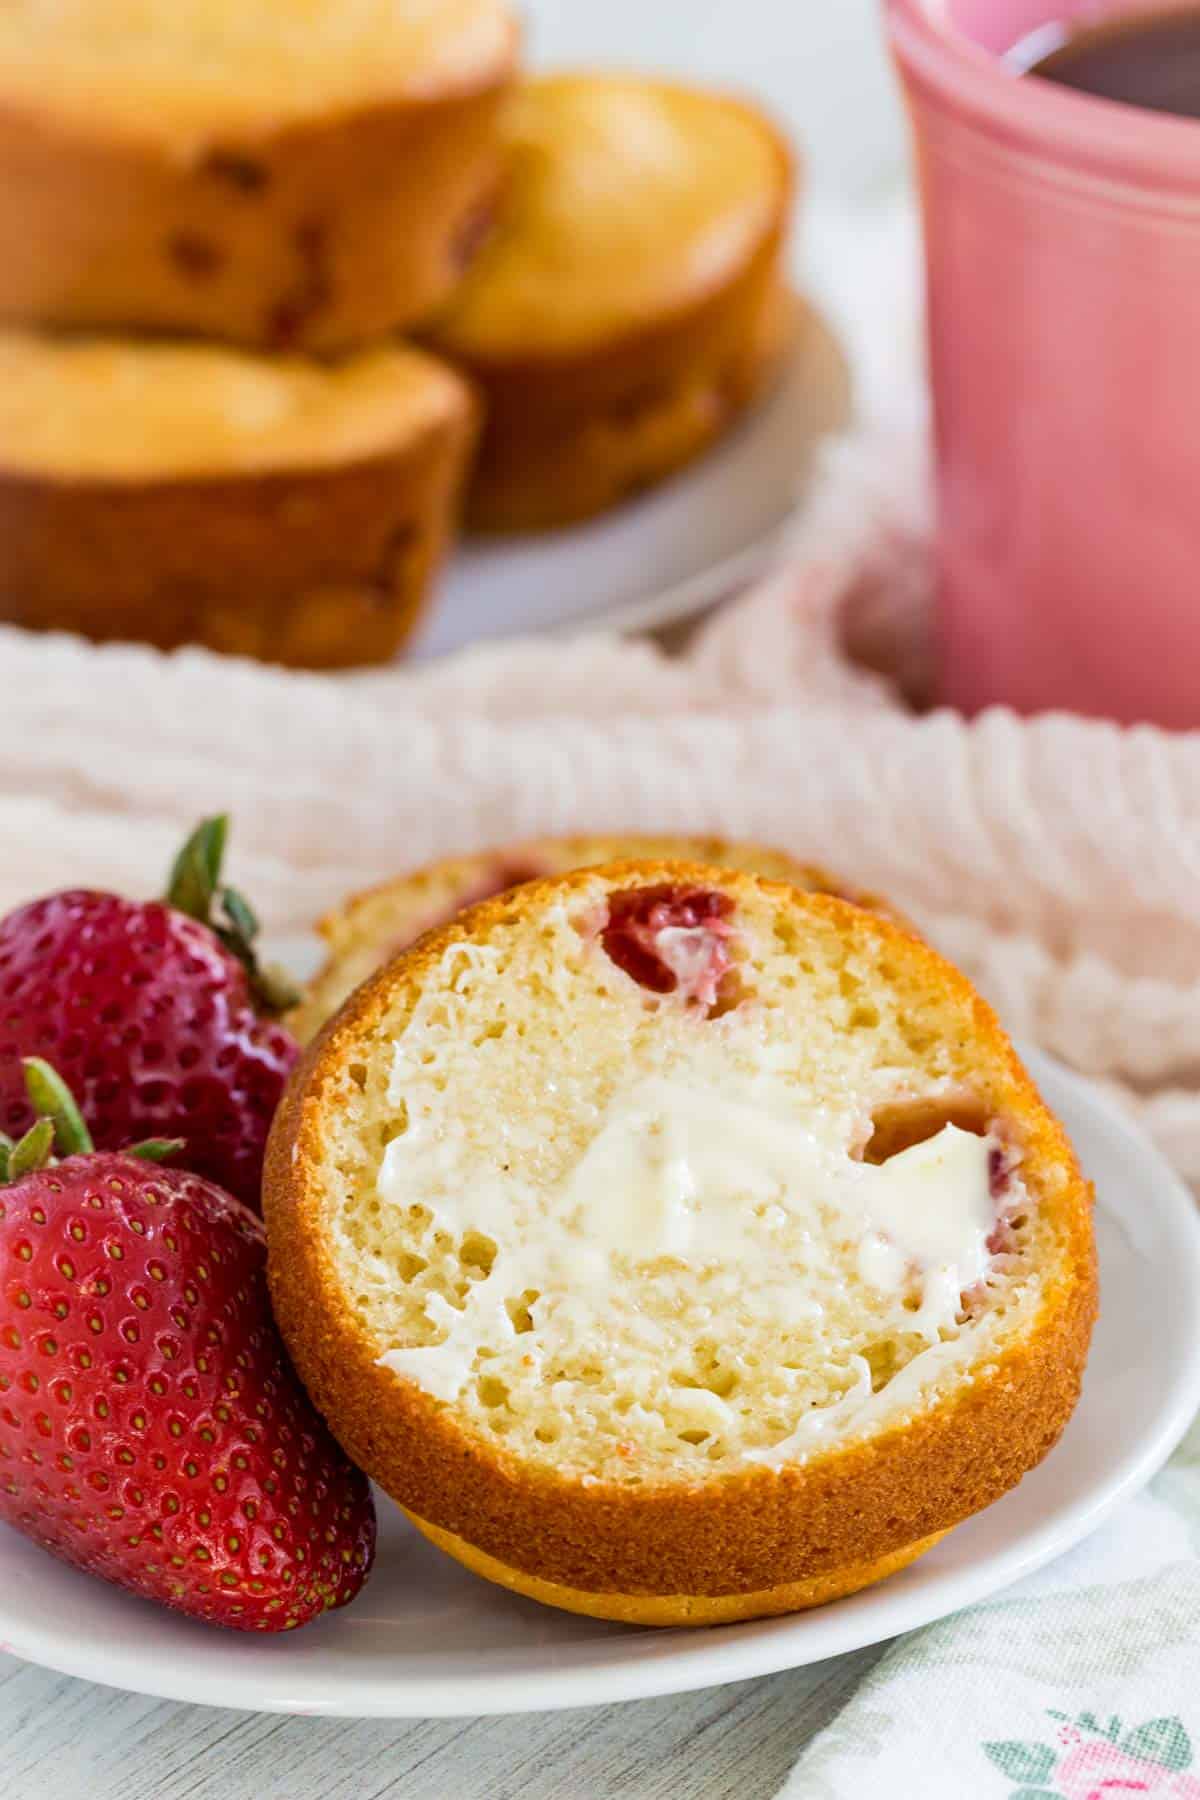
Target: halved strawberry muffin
{"points": [[678, 1247]]}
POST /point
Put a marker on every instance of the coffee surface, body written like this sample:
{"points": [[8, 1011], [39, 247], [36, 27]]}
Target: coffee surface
{"points": [[1147, 59]]}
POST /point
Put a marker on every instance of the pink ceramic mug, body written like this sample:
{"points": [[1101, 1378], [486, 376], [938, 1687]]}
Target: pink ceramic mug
{"points": [[1063, 251]]}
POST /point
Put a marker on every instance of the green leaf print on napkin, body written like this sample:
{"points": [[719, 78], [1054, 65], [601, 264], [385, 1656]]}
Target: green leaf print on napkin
{"points": [[1162, 1741], [1030, 1763], [1091, 1759]]}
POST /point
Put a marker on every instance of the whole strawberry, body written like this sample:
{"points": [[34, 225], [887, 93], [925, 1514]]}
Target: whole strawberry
{"points": [[159, 1019], [152, 1430]]}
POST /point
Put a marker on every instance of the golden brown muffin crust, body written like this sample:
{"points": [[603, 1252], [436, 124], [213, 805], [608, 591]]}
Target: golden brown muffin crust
{"points": [[628, 199], [650, 363], [312, 228], [678, 1609], [320, 567]]}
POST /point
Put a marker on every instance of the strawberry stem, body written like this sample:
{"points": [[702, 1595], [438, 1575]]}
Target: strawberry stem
{"points": [[59, 1129], [156, 1150], [241, 916], [193, 886], [196, 871], [53, 1101], [275, 988], [33, 1151]]}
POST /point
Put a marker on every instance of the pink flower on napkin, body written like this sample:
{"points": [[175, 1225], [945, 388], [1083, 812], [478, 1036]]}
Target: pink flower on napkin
{"points": [[1098, 1770]]}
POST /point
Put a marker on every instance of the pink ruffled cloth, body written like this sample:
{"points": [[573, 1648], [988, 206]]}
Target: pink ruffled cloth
{"points": [[1058, 860]]}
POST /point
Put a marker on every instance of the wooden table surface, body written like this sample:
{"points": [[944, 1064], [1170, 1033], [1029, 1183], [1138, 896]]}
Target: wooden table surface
{"points": [[70, 1740]]}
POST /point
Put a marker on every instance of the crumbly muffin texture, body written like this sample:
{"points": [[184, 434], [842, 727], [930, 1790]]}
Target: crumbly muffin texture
{"points": [[620, 1175]]}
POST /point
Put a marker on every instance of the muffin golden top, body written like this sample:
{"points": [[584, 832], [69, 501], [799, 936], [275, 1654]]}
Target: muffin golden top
{"points": [[113, 409], [183, 67], [627, 199]]}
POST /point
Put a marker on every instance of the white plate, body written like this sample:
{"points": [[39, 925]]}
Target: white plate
{"points": [[427, 1639], [671, 554]]}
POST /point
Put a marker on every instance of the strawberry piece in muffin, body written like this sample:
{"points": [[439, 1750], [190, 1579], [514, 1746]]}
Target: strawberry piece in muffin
{"points": [[671, 939]]}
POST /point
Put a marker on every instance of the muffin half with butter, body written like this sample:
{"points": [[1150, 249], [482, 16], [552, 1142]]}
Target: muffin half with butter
{"points": [[272, 507], [631, 301], [676, 1247]]}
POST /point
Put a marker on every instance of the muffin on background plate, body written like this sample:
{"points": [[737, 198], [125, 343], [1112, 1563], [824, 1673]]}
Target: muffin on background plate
{"points": [[284, 173], [272, 507], [631, 301]]}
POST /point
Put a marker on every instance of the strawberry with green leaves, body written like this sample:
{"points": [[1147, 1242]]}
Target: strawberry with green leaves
{"points": [[156, 1013], [152, 1430]]}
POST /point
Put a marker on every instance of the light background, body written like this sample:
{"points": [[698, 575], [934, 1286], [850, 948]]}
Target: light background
{"points": [[819, 64]]}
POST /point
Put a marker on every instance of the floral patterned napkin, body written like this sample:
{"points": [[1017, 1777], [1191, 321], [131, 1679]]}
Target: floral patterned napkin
{"points": [[1081, 1683]]}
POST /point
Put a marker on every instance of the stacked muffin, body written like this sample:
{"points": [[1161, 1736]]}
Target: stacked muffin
{"points": [[631, 302], [215, 223]]}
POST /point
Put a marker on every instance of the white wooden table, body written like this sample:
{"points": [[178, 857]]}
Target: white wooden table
{"points": [[69, 1740]]}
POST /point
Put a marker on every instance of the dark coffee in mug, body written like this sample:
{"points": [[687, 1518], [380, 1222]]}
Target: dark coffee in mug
{"points": [[1145, 59]]}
